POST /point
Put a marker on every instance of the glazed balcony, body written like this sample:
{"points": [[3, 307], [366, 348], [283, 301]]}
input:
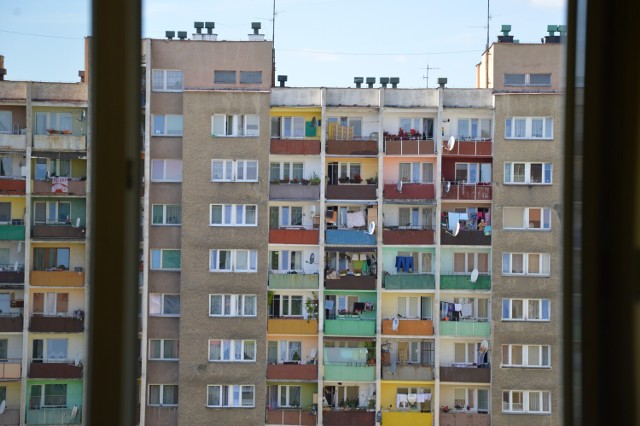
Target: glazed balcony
{"points": [[290, 416], [10, 323], [293, 371], [295, 326], [462, 282], [467, 191], [13, 142], [471, 148], [10, 417], [294, 191], [409, 147], [57, 278], [57, 324], [295, 147], [11, 232], [351, 282], [352, 147], [9, 274], [464, 419], [350, 327], [356, 237], [408, 418], [348, 418], [60, 142], [410, 191], [75, 186], [13, 186], [471, 374], [409, 282], [358, 191], [408, 235], [465, 328], [65, 231], [54, 416], [293, 236], [408, 327], [465, 238], [293, 281], [408, 372], [54, 370], [10, 369]]}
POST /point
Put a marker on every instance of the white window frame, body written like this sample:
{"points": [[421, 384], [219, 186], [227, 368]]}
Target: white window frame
{"points": [[510, 128], [507, 306], [236, 348], [289, 127], [544, 264], [286, 170], [154, 267], [527, 80], [252, 260], [53, 120], [470, 353], [6, 122], [474, 128], [285, 390], [165, 163], [230, 212], [161, 402], [162, 297], [162, 343], [237, 304], [289, 304], [509, 362], [45, 350], [235, 125], [545, 219], [282, 267], [230, 390], [348, 166], [43, 395], [163, 75], [471, 262], [508, 405], [289, 217], [527, 178], [166, 131], [164, 217], [416, 176], [232, 169], [348, 122], [50, 207]]}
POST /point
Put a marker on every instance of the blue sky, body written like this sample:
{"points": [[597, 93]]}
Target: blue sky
{"points": [[318, 42]]}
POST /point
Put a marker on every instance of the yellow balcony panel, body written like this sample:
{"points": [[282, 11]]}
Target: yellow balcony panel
{"points": [[292, 326], [57, 278]]}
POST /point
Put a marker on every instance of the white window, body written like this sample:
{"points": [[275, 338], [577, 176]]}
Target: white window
{"points": [[224, 77], [232, 305], [517, 401], [163, 349], [537, 264], [526, 356], [166, 259], [422, 126], [528, 128], [235, 125], [286, 171], [527, 79], [233, 260], [422, 262], [473, 172], [353, 127], [50, 350], [234, 215], [167, 125], [465, 263], [50, 303], [6, 122], [234, 170], [56, 122], [279, 351], [474, 128], [167, 80], [288, 127], [250, 77], [53, 395], [416, 172], [349, 171], [231, 396], [166, 214], [287, 305], [50, 212], [285, 260], [166, 170], [163, 395], [232, 350], [466, 353], [413, 398], [285, 216], [528, 173], [164, 305], [289, 396], [529, 218], [525, 309]]}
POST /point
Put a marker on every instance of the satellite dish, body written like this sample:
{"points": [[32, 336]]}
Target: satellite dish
{"points": [[76, 361], [399, 186], [456, 230], [451, 143], [313, 353], [372, 228], [15, 266], [447, 187], [74, 412], [474, 275], [395, 324], [313, 210], [312, 258], [484, 346], [78, 223], [3, 406], [19, 246]]}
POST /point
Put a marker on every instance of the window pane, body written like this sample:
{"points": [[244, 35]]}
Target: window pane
{"points": [[158, 124], [157, 169], [247, 396], [216, 305], [224, 77], [174, 169], [534, 355], [171, 304], [249, 350], [536, 173], [174, 80], [171, 259], [242, 260], [174, 124], [213, 397], [251, 218], [250, 77], [514, 79], [520, 127], [252, 170], [540, 79]]}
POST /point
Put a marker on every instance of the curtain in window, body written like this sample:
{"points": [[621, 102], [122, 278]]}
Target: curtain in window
{"points": [[57, 349], [171, 349], [427, 172], [171, 305], [404, 216], [516, 309], [6, 166], [154, 349], [174, 124], [174, 80], [213, 396], [517, 263], [249, 350], [62, 303], [55, 395], [171, 259], [294, 396], [247, 396], [459, 262], [174, 215], [216, 305], [170, 394], [249, 305], [463, 129], [405, 172], [534, 401], [520, 125]]}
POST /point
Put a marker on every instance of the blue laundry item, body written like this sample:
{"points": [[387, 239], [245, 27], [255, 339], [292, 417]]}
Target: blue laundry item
{"points": [[408, 263], [400, 263]]}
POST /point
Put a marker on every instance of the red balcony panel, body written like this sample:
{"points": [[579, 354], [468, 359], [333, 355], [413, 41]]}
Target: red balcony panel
{"points": [[351, 192], [10, 323], [352, 147], [410, 191], [351, 282], [58, 231], [290, 416], [61, 324], [348, 418], [54, 370], [483, 148], [465, 238], [293, 236], [465, 374], [295, 146], [408, 236], [12, 277], [409, 147], [472, 191], [292, 372], [13, 186]]}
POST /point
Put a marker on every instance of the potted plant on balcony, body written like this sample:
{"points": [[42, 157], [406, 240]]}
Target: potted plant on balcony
{"points": [[372, 180], [315, 179], [305, 181], [311, 304], [356, 179], [343, 179], [285, 180], [295, 180]]}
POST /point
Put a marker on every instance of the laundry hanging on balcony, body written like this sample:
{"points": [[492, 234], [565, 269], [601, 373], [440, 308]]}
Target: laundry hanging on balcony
{"points": [[355, 219], [60, 184]]}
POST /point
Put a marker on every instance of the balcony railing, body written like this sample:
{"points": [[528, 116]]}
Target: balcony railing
{"points": [[410, 191], [352, 147], [409, 147], [466, 191], [350, 327], [359, 373], [351, 282], [293, 236], [463, 282], [290, 416], [55, 370], [10, 232], [409, 282], [465, 374], [476, 148], [294, 191], [10, 369], [292, 326], [10, 417], [60, 142], [408, 327], [13, 186], [349, 237], [408, 418], [348, 418], [465, 238], [13, 142], [409, 372], [75, 186], [407, 236], [295, 146], [307, 372], [54, 416], [11, 323], [57, 324], [293, 281], [465, 328], [360, 191], [464, 419], [57, 278], [66, 231], [10, 274]]}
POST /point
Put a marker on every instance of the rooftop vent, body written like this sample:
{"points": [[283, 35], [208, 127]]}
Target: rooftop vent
{"points": [[209, 36], [358, 81], [170, 34], [394, 82], [3, 70], [198, 26], [370, 82], [282, 79], [384, 81], [505, 37], [182, 35], [256, 36], [442, 81], [552, 37], [81, 75]]}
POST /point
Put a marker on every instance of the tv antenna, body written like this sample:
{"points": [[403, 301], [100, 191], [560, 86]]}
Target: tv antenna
{"points": [[426, 76]]}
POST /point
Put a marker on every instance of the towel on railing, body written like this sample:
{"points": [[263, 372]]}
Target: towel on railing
{"points": [[355, 219]]}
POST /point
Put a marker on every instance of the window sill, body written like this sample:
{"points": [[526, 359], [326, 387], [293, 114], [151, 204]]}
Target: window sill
{"points": [[235, 136], [165, 181]]}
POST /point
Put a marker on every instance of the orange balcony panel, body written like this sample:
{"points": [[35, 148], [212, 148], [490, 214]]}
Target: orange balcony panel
{"points": [[295, 146], [410, 191], [292, 372], [409, 147], [57, 278], [479, 192], [292, 326], [347, 147], [10, 370], [293, 236], [408, 236], [483, 148], [408, 328]]}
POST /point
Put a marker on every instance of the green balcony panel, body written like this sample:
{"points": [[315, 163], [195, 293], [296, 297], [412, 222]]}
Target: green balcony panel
{"points": [[349, 373], [348, 327], [12, 232], [293, 281], [465, 328], [463, 282], [410, 282]]}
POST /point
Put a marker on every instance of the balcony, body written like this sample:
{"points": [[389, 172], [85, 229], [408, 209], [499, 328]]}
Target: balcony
{"points": [[9, 232], [54, 416], [57, 278], [350, 327], [352, 147], [465, 328], [399, 236], [465, 238], [409, 282], [408, 327], [410, 191], [13, 186], [349, 237], [408, 418], [351, 282], [290, 416], [294, 236], [295, 146], [292, 326], [74, 187], [9, 275], [293, 281], [351, 192], [54, 370], [59, 142], [13, 142], [408, 372], [58, 231], [306, 372], [294, 191], [470, 374], [10, 323], [464, 419], [409, 147], [11, 370], [348, 418], [479, 148], [10, 417], [56, 324], [362, 373], [462, 282], [472, 191]]}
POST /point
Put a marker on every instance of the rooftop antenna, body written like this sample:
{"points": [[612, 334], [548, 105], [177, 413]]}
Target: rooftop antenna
{"points": [[426, 76], [488, 18]]}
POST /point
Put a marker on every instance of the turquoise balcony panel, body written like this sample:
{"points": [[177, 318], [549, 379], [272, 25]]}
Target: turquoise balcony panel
{"points": [[12, 232], [465, 328], [410, 282], [349, 237], [349, 373], [350, 327], [293, 281], [463, 282]]}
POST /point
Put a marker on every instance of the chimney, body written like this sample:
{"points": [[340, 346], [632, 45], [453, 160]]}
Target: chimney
{"points": [[198, 34], [282, 79], [182, 35], [256, 36], [552, 37], [3, 70], [442, 81], [81, 75], [170, 34], [505, 37], [358, 81], [394, 82], [370, 82], [384, 81]]}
